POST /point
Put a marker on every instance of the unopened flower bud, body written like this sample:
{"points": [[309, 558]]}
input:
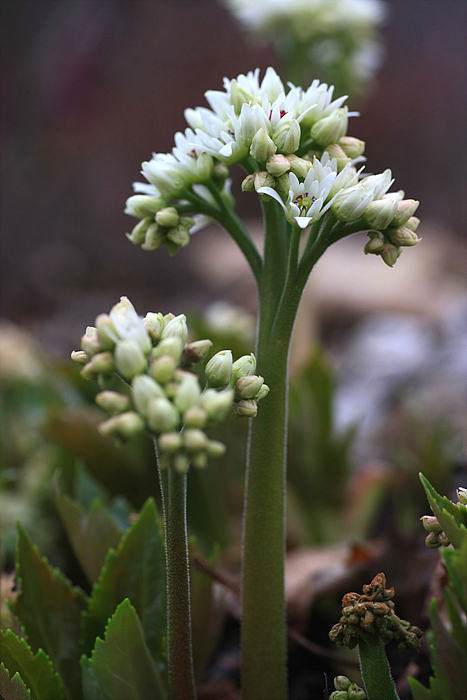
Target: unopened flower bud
{"points": [[167, 217], [123, 427], [170, 443], [163, 368], [264, 391], [277, 165], [432, 541], [462, 495], [380, 213], [200, 460], [220, 172], [176, 328], [188, 392], [352, 147], [245, 365], [154, 324], [196, 351], [143, 389], [215, 448], [339, 695], [350, 203], [403, 236], [168, 317], [341, 683], [195, 417], [129, 358], [102, 363], [106, 332], [282, 185], [217, 404], [172, 346], [248, 184], [194, 440], [263, 179], [330, 129], [412, 223], [287, 137], [299, 166], [431, 524], [153, 238], [162, 416], [181, 463], [90, 342], [138, 232], [246, 408], [375, 245], [247, 387], [179, 235], [357, 693], [219, 369], [405, 209], [112, 402], [80, 357], [262, 147], [336, 152], [390, 254], [143, 205]]}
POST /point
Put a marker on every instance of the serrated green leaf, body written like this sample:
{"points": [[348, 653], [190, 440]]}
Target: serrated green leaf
{"points": [[122, 663], [91, 534], [458, 627], [446, 513], [36, 670], [448, 659], [456, 566], [135, 571], [91, 688], [49, 608], [419, 692], [12, 688]]}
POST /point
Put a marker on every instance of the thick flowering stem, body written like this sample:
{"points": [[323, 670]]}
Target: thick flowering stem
{"points": [[179, 650], [375, 670], [274, 265]]}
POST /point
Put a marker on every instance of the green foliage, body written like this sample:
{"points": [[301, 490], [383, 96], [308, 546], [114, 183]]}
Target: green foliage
{"points": [[12, 688], [448, 646], [35, 670]]}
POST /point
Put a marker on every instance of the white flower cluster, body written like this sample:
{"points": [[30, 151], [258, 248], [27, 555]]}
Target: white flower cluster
{"points": [[166, 398]]}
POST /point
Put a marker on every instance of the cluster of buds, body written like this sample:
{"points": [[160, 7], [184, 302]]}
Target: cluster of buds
{"points": [[248, 388], [371, 616], [394, 222], [152, 357], [436, 536], [346, 690], [160, 224]]}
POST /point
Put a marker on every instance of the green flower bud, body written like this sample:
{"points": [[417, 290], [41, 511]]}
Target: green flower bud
{"points": [[277, 165], [350, 203], [282, 185], [242, 367], [168, 317], [144, 205], [262, 147], [181, 463], [405, 209], [188, 392], [380, 213], [375, 245], [90, 342], [412, 223], [263, 179], [219, 369], [357, 693], [247, 387], [403, 236], [172, 346], [336, 152], [330, 129], [112, 402], [102, 363], [220, 173], [341, 683], [162, 416], [246, 408], [215, 448], [217, 404], [248, 184], [200, 461], [129, 358], [195, 417], [179, 235], [123, 427], [352, 147], [287, 137], [299, 166], [143, 389], [176, 328], [163, 368], [154, 237], [168, 217], [462, 496], [80, 357], [138, 232], [431, 524], [339, 695], [106, 332], [154, 325], [390, 254], [264, 391], [170, 443], [196, 351], [194, 440]]}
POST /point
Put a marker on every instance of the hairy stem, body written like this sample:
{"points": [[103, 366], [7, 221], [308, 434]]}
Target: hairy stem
{"points": [[375, 670]]}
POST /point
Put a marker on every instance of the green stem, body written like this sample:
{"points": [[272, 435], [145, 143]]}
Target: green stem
{"points": [[376, 673], [274, 265], [179, 651]]}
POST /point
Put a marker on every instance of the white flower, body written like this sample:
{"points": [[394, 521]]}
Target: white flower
{"points": [[377, 185], [306, 201], [129, 326]]}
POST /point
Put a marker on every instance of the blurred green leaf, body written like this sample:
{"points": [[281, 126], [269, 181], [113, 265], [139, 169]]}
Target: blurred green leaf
{"points": [[136, 570], [91, 688], [36, 671], [12, 688], [447, 513], [458, 628], [456, 566], [449, 661], [122, 663], [91, 534], [419, 692], [49, 608]]}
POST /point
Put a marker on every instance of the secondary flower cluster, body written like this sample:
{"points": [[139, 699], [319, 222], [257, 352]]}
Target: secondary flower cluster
{"points": [[436, 536], [346, 690], [152, 356], [371, 616]]}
